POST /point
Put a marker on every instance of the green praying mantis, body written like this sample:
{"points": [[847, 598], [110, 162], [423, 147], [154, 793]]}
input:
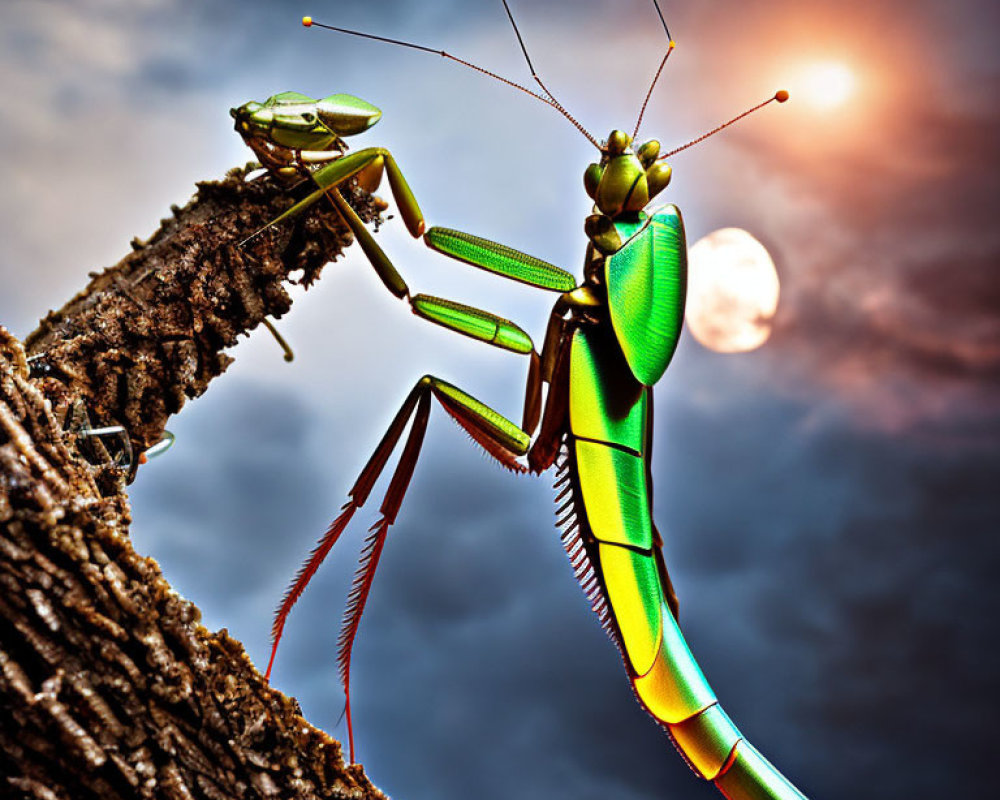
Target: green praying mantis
{"points": [[609, 339]]}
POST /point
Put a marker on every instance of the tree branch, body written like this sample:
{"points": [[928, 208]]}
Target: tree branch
{"points": [[109, 686]]}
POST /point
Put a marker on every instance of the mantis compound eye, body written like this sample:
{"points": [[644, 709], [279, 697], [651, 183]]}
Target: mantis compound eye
{"points": [[592, 179], [648, 152], [657, 178]]}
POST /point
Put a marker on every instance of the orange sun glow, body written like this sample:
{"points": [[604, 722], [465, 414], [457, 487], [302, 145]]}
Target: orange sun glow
{"points": [[825, 85]]}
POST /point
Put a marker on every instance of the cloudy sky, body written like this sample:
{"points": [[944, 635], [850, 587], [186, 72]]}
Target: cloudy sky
{"points": [[828, 502]]}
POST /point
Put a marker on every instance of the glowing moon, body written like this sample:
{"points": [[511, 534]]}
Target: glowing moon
{"points": [[732, 291]]}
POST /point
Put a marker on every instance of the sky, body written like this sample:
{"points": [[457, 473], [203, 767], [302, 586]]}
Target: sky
{"points": [[828, 502]]}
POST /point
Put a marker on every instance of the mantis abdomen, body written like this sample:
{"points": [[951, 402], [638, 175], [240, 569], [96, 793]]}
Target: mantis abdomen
{"points": [[616, 552]]}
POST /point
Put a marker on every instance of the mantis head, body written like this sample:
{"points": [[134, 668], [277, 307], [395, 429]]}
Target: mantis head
{"points": [[624, 181]]}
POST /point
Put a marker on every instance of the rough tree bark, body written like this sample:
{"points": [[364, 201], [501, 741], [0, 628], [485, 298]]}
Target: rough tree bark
{"points": [[109, 686]]}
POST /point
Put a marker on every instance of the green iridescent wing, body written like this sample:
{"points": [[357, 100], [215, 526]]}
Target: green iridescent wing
{"points": [[647, 283]]}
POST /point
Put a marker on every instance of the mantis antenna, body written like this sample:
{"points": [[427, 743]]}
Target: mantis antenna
{"points": [[555, 103], [663, 21], [309, 22], [656, 77], [548, 98], [781, 96]]}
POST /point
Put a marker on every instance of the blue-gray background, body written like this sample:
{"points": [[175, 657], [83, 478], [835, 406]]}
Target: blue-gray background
{"points": [[828, 502]]}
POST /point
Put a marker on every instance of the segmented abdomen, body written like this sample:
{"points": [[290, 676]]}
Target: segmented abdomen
{"points": [[613, 547]]}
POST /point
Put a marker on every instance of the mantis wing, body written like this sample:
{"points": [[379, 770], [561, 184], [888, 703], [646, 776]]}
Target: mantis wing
{"points": [[647, 283]]}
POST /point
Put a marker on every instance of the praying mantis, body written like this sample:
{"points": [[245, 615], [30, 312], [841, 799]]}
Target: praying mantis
{"points": [[588, 398]]}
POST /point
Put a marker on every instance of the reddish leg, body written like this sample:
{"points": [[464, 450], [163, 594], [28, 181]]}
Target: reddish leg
{"points": [[499, 437]]}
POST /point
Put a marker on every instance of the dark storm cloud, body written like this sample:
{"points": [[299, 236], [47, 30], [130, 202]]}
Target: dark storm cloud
{"points": [[244, 475], [876, 560], [908, 668], [912, 292]]}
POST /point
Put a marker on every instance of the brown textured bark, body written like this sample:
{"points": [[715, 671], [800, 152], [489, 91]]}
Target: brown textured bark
{"points": [[109, 686]]}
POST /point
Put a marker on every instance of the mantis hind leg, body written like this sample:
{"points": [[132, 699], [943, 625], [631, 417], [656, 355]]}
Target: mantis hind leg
{"points": [[497, 435]]}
